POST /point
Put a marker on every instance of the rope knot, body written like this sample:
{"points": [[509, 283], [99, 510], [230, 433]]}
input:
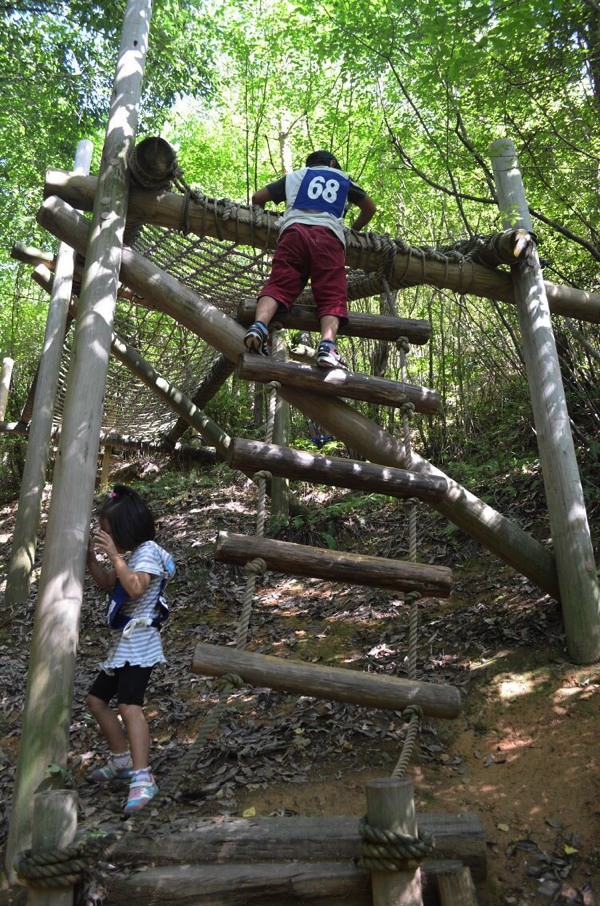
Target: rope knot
{"points": [[412, 711], [407, 409], [256, 567], [411, 597], [274, 385], [385, 850], [264, 473], [403, 344], [228, 679]]}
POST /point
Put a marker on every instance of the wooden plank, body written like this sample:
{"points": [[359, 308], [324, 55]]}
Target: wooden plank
{"points": [[499, 534], [337, 382], [372, 690], [299, 465], [575, 560], [336, 566], [374, 327], [166, 209]]}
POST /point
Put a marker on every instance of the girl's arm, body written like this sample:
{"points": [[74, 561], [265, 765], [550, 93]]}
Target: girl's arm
{"points": [[135, 584], [104, 578]]}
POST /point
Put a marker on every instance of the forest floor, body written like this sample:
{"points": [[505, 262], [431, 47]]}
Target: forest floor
{"points": [[523, 755]]}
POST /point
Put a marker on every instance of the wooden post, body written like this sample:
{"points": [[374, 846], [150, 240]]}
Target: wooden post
{"points": [[47, 710], [391, 806], [36, 462], [457, 889], [54, 827], [7, 367], [575, 562], [280, 487], [105, 473]]}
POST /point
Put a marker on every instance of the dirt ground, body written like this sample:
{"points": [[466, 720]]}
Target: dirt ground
{"points": [[522, 755]]}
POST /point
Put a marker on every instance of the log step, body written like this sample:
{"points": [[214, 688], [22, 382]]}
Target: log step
{"points": [[299, 465], [337, 382], [375, 327], [336, 566], [372, 690], [261, 884]]}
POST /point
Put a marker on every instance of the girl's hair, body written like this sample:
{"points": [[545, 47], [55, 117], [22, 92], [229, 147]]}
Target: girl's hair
{"points": [[131, 522]]}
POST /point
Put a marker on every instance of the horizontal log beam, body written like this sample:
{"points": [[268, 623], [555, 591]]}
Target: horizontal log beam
{"points": [[167, 209], [264, 884], [335, 839], [337, 382], [374, 327], [299, 465], [498, 533], [372, 690], [336, 566]]}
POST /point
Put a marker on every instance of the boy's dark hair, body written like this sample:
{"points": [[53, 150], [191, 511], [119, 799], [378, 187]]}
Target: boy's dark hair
{"points": [[322, 157], [131, 522]]}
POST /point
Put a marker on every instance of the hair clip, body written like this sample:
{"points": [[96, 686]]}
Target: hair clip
{"points": [[113, 494]]}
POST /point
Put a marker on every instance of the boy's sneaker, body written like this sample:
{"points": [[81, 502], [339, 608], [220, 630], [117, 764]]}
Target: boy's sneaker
{"points": [[140, 794], [328, 356], [256, 339], [112, 771]]}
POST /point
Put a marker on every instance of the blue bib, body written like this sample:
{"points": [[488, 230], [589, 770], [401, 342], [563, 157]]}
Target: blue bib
{"points": [[323, 190]]}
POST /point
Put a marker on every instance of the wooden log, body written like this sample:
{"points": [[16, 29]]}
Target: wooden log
{"points": [[337, 382], [391, 807], [330, 683], [457, 889], [54, 827], [105, 472], [299, 465], [266, 884], [166, 209], [498, 533], [375, 327], [337, 566], [575, 561], [47, 709], [458, 838], [33, 481]]}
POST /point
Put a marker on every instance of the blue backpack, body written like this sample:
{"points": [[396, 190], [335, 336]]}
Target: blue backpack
{"points": [[119, 597]]}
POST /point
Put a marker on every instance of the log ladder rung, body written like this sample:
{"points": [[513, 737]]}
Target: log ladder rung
{"points": [[299, 465], [337, 566], [372, 690], [373, 327], [337, 382]]}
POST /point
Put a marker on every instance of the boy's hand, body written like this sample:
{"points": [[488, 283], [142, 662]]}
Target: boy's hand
{"points": [[106, 545]]}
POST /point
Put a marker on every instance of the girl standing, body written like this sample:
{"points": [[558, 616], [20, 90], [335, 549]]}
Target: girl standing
{"points": [[126, 524]]}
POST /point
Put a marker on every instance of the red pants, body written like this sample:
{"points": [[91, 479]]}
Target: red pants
{"points": [[309, 251]]}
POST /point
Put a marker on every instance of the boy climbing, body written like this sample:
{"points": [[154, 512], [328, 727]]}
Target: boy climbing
{"points": [[311, 244]]}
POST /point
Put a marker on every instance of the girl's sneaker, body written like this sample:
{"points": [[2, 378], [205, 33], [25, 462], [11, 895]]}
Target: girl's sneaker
{"points": [[140, 793], [114, 770], [256, 339]]}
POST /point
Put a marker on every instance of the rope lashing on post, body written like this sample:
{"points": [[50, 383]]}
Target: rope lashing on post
{"points": [[385, 850], [62, 868]]}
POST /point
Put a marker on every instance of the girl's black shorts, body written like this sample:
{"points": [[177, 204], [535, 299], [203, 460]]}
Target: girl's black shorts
{"points": [[127, 683]]}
